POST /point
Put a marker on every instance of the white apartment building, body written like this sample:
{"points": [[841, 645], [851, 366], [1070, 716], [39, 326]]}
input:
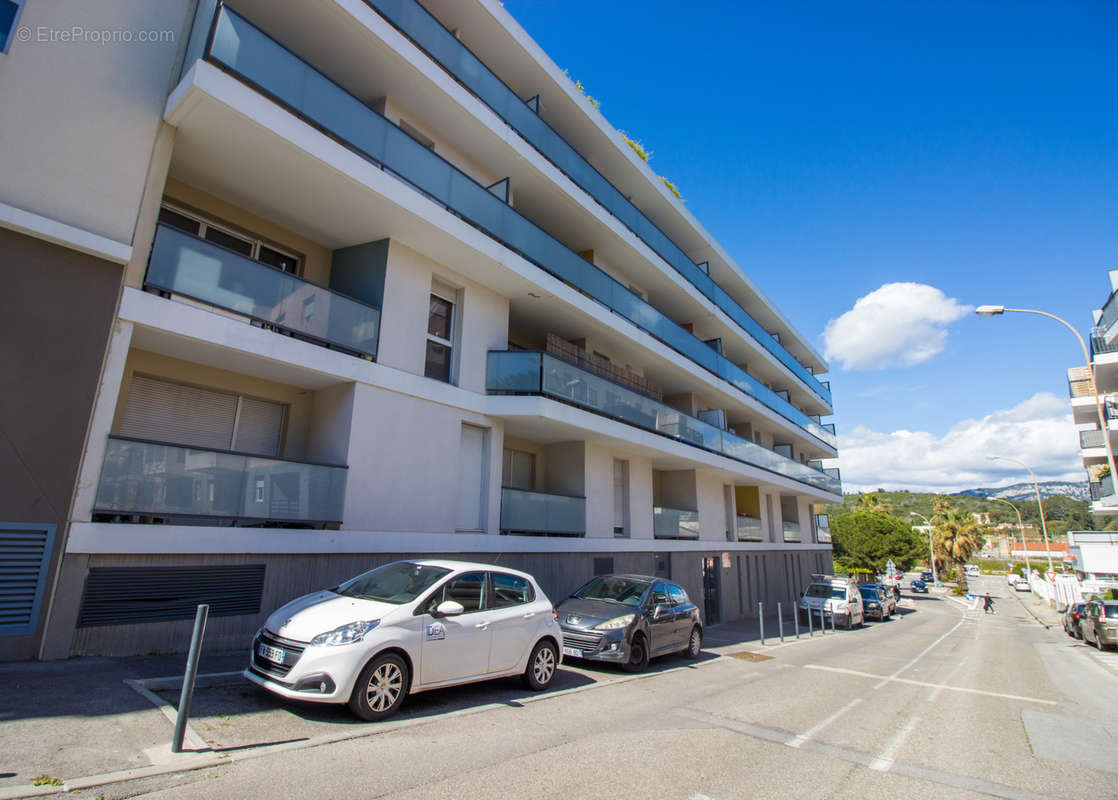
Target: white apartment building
{"points": [[1104, 362], [310, 286]]}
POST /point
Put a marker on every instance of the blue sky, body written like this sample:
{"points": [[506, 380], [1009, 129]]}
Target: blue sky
{"points": [[834, 148]]}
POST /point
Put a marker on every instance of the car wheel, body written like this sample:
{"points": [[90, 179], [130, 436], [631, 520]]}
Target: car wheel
{"points": [[380, 688], [638, 654], [542, 665], [694, 643]]}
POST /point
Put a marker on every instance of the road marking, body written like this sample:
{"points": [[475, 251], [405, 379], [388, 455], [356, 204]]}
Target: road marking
{"points": [[889, 679], [797, 741], [919, 655], [935, 692], [884, 762], [777, 736]]}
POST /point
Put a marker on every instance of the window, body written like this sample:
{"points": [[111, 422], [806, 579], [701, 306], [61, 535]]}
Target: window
{"points": [[519, 469], [620, 498], [440, 331], [468, 589], [510, 590], [9, 18], [679, 597], [225, 235], [659, 594]]}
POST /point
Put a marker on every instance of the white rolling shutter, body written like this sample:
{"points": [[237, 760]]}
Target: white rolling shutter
{"points": [[173, 412]]}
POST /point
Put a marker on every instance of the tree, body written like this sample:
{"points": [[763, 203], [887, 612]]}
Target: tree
{"points": [[871, 502], [956, 537], [868, 539]]}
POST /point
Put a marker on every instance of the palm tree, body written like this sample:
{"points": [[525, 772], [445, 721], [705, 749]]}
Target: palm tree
{"points": [[869, 501], [956, 537]]}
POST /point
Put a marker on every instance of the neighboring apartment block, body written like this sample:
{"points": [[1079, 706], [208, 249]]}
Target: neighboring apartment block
{"points": [[1104, 362], [305, 287]]}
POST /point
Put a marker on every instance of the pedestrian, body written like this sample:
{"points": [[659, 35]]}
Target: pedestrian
{"points": [[988, 604]]}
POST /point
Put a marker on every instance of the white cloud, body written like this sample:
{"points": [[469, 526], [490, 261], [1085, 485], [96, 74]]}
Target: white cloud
{"points": [[1038, 431], [898, 323]]}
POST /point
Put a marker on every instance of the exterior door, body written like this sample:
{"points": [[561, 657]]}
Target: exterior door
{"points": [[457, 647], [711, 600]]}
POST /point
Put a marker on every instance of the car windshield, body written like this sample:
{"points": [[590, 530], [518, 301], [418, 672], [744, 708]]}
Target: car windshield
{"points": [[613, 589], [397, 583], [1110, 611], [869, 592], [823, 590]]}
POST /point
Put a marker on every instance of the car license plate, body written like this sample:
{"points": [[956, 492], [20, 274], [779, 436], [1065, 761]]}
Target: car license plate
{"points": [[573, 652], [271, 653]]}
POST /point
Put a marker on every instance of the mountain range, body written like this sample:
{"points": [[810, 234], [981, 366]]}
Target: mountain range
{"points": [[1024, 491]]}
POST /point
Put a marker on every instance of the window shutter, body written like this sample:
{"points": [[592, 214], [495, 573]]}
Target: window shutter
{"points": [[259, 427], [24, 557], [171, 412]]}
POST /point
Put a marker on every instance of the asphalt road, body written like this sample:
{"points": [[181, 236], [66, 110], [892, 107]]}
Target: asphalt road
{"points": [[941, 702]]}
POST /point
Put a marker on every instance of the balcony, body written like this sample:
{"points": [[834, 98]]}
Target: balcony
{"points": [[446, 50], [199, 270], [1099, 345], [1108, 317], [542, 514], [791, 531], [1091, 439], [1080, 382], [1102, 491], [528, 372], [166, 483], [674, 523], [748, 528], [249, 55]]}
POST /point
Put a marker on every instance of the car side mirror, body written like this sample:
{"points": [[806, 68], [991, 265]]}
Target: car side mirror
{"points": [[660, 610], [448, 608]]}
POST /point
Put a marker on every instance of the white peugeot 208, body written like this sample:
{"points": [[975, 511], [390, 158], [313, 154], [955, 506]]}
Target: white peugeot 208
{"points": [[407, 627]]}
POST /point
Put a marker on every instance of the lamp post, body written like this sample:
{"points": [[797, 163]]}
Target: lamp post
{"points": [[1039, 505], [993, 311], [931, 549], [1020, 527]]}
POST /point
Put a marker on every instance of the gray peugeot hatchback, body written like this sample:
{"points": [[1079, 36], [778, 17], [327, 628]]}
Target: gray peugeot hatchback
{"points": [[629, 619]]}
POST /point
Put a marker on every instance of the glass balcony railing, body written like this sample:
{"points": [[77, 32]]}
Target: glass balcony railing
{"points": [[1089, 439], [527, 372], [431, 36], [791, 531], [252, 56], [1109, 314], [674, 523], [542, 514], [192, 267], [748, 528], [1102, 491], [168, 481]]}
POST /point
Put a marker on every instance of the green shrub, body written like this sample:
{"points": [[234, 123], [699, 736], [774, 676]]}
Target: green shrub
{"points": [[958, 590]]}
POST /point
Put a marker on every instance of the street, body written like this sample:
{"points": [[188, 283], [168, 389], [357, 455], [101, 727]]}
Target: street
{"points": [[942, 701]]}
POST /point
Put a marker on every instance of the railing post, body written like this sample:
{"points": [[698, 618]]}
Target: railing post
{"points": [[187, 694], [761, 619], [780, 622]]}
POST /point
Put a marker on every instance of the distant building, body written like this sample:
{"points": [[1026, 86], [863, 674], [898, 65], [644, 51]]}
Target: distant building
{"points": [[1094, 557]]}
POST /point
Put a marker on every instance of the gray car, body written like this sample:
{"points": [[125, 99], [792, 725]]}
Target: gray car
{"points": [[629, 619]]}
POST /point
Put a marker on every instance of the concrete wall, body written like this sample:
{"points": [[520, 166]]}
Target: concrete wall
{"points": [[56, 313], [81, 116]]}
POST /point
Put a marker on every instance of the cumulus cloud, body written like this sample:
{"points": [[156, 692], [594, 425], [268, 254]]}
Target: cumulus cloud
{"points": [[896, 324], [1038, 431]]}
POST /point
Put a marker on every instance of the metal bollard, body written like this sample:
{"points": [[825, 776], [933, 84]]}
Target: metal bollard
{"points": [[810, 624], [822, 622], [188, 677], [780, 622], [761, 619], [796, 621], [832, 622]]}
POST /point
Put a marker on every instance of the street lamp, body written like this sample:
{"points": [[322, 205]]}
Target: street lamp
{"points": [[931, 549], [1040, 507], [1020, 527], [993, 311]]}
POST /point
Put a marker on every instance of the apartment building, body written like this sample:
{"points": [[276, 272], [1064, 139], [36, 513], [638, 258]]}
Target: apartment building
{"points": [[1104, 363], [312, 286]]}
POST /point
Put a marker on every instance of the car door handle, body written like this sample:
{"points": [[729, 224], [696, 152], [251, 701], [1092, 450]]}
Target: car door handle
{"points": [[482, 625], [529, 615]]}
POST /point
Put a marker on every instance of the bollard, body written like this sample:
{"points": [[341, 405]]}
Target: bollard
{"points": [[796, 622], [761, 619], [780, 622], [822, 622], [832, 622], [188, 677]]}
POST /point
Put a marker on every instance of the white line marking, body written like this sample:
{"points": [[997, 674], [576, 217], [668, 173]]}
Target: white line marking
{"points": [[935, 692], [920, 655], [797, 741], [884, 762], [910, 682]]}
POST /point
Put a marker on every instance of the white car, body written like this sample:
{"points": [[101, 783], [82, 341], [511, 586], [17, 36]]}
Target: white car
{"points": [[407, 627], [1022, 585]]}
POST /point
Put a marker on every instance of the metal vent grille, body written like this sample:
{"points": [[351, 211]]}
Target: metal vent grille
{"points": [[121, 595], [24, 556]]}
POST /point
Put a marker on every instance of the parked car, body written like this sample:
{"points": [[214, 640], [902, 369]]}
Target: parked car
{"points": [[629, 619], [1072, 615], [972, 571], [875, 601], [927, 576], [406, 627], [1012, 577], [918, 586], [1022, 585], [1098, 624], [835, 599]]}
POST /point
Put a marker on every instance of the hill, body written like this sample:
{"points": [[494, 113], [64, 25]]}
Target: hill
{"points": [[1024, 491]]}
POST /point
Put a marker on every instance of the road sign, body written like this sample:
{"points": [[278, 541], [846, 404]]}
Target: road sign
{"points": [[1051, 576]]}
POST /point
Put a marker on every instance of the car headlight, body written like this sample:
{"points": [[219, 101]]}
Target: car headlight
{"points": [[613, 624], [872, 605], [346, 634]]}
